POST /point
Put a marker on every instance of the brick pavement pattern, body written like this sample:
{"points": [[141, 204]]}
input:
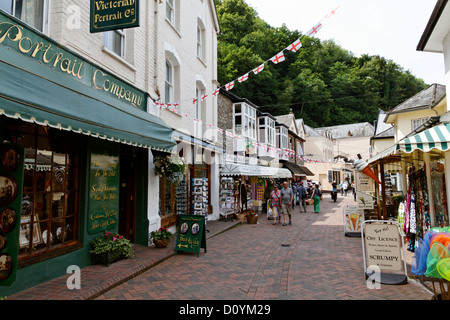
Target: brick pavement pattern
{"points": [[308, 260]]}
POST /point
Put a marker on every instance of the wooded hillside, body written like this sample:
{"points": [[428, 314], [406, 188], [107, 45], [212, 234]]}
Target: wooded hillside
{"points": [[322, 83]]}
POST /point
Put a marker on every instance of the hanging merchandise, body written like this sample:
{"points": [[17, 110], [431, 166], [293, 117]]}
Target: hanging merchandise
{"points": [[431, 262]]}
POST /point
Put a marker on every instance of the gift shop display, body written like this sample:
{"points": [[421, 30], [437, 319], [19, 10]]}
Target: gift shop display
{"points": [[200, 196]]}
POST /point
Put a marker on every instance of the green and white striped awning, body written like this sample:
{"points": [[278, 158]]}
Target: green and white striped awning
{"points": [[434, 138]]}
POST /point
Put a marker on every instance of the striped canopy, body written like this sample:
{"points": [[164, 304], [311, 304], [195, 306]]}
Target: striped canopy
{"points": [[434, 138]]}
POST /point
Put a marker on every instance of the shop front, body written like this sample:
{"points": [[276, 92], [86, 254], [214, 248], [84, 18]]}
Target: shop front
{"points": [[414, 180], [192, 190], [86, 150], [247, 187]]}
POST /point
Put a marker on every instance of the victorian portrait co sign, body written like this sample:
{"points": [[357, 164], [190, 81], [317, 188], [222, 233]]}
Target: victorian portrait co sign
{"points": [[114, 14]]}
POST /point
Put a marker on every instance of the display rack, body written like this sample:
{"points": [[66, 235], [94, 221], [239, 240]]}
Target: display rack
{"points": [[200, 196], [181, 197], [227, 203]]}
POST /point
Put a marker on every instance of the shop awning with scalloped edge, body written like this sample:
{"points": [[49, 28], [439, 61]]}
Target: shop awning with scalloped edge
{"points": [[31, 93], [437, 138]]}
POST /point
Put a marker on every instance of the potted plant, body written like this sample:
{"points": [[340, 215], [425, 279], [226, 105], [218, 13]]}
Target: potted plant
{"points": [[161, 237], [110, 247], [252, 217]]}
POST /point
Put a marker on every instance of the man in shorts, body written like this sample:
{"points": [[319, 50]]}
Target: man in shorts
{"points": [[287, 197]]}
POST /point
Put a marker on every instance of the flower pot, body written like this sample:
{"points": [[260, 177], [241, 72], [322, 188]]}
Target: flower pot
{"points": [[161, 243], [104, 258], [252, 219]]}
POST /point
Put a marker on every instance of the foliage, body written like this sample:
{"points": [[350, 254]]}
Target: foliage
{"points": [[161, 234], [322, 83], [115, 244], [173, 169]]}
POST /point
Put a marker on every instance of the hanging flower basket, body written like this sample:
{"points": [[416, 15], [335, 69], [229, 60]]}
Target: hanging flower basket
{"points": [[172, 168]]}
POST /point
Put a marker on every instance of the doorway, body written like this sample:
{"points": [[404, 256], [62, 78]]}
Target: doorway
{"points": [[127, 198]]}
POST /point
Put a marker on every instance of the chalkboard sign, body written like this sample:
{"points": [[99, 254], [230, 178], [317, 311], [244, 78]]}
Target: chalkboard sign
{"points": [[103, 192], [11, 186], [191, 233]]}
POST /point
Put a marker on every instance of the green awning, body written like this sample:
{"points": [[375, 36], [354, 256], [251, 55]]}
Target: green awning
{"points": [[298, 170], [434, 138], [45, 97]]}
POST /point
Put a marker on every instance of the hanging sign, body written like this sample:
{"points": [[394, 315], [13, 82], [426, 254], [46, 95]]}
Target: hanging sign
{"points": [[103, 192], [364, 200], [113, 14], [11, 186], [353, 220], [191, 235], [364, 183], [382, 248]]}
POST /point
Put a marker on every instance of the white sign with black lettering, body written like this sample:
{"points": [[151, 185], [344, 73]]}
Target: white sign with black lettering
{"points": [[382, 242]]}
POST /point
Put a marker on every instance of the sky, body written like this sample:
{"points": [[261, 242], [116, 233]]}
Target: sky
{"points": [[388, 28]]}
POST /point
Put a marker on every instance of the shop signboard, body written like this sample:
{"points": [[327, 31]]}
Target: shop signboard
{"points": [[109, 15], [364, 200], [364, 183], [103, 192], [32, 46], [11, 186], [382, 247], [353, 220], [191, 234]]}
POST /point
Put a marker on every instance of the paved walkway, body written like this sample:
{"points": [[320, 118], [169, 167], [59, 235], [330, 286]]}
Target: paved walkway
{"points": [[308, 260], [98, 279]]}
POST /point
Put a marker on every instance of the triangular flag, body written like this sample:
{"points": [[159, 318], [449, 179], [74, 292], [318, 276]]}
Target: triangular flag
{"points": [[243, 78], [278, 58], [314, 30], [295, 46], [229, 86], [259, 69], [216, 92]]}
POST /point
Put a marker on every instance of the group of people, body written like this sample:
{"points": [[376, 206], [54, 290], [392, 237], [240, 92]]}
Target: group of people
{"points": [[283, 200]]}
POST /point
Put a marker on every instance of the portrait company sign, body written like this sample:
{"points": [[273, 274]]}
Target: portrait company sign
{"points": [[113, 14]]}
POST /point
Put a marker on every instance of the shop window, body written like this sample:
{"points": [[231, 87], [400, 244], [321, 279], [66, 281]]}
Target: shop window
{"points": [[32, 12], [50, 190], [114, 41], [168, 94], [172, 13], [200, 40], [416, 123]]}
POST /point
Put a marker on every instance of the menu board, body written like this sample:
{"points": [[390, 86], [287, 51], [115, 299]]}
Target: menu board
{"points": [[103, 192], [191, 234], [353, 220], [11, 186]]}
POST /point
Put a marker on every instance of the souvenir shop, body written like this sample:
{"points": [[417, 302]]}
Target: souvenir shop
{"points": [[246, 187], [190, 176], [423, 206], [74, 159]]}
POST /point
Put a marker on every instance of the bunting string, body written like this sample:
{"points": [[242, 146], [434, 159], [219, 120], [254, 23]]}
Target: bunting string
{"points": [[276, 59]]}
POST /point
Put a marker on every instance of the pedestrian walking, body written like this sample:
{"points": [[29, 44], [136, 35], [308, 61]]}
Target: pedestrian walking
{"points": [[303, 195], [341, 188], [316, 197], [275, 202], [287, 197], [354, 190], [345, 186]]}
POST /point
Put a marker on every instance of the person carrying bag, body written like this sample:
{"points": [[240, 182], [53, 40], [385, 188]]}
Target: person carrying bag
{"points": [[275, 203]]}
